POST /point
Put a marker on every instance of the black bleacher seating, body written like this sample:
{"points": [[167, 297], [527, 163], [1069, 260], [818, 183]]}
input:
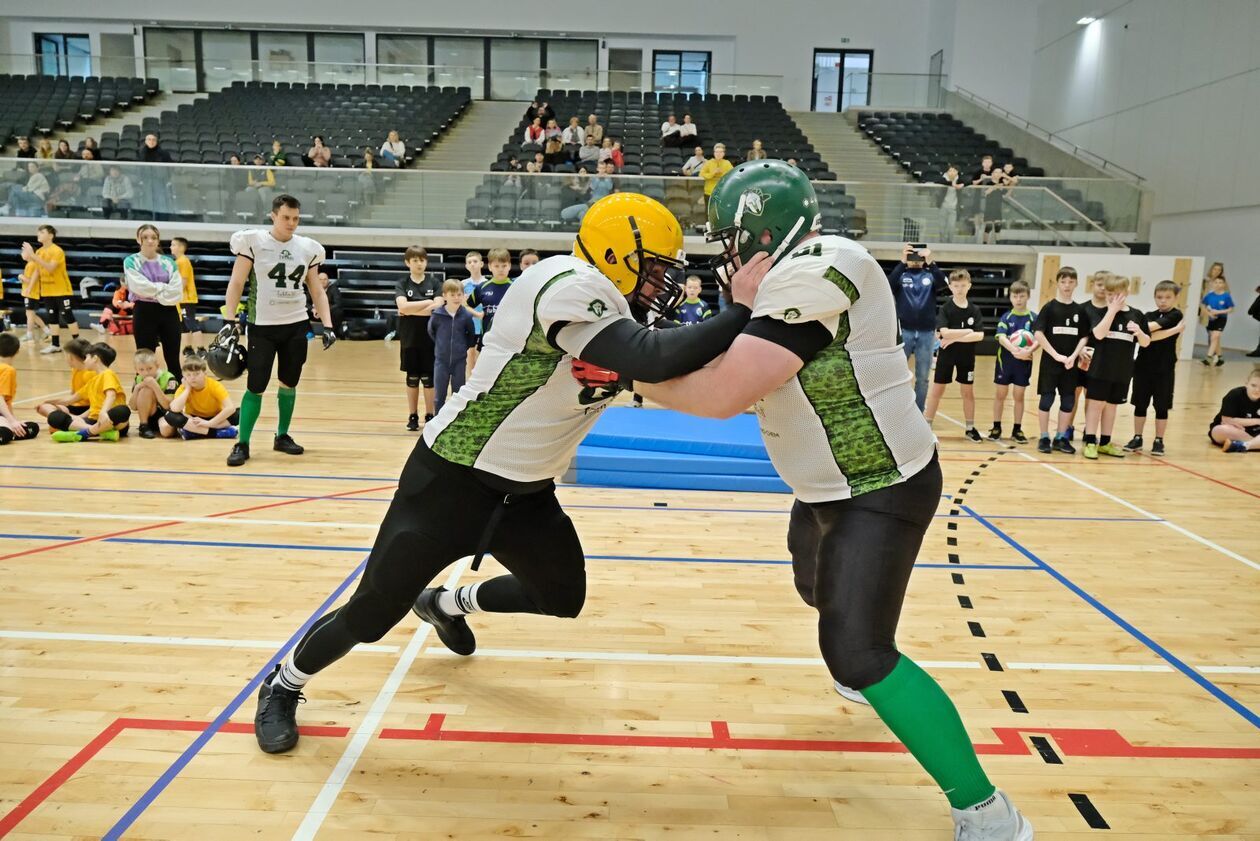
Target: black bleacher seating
{"points": [[34, 104]]}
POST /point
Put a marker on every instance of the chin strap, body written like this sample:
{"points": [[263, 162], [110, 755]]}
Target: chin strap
{"points": [[787, 240]]}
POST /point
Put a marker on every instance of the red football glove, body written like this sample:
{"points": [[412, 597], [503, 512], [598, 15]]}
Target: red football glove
{"points": [[594, 376]]}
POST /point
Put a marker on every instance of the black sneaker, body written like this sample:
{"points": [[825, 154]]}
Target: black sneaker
{"points": [[995, 434], [1043, 446], [413, 423], [1018, 436], [453, 631], [147, 431], [1157, 448], [1071, 432], [1134, 445], [275, 722], [239, 455], [1255, 352], [1062, 445], [285, 444], [1219, 360], [973, 435], [428, 418]]}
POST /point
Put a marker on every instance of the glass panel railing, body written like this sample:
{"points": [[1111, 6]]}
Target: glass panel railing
{"points": [[892, 90], [1111, 204], [392, 198]]}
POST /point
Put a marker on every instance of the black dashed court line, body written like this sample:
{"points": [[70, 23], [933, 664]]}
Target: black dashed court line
{"points": [[1014, 701], [964, 602], [991, 661], [976, 630], [1088, 811], [954, 559], [1046, 750], [951, 541], [952, 525], [956, 577]]}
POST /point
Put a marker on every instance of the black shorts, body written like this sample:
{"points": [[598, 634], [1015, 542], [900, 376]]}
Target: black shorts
{"points": [[1052, 377], [190, 318], [1152, 387], [1115, 392], [951, 366], [76, 410], [1012, 371], [60, 309], [417, 360], [30, 304], [282, 344], [1217, 322]]}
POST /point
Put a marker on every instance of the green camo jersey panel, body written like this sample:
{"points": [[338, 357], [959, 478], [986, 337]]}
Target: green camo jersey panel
{"points": [[831, 387], [252, 304], [527, 371]]}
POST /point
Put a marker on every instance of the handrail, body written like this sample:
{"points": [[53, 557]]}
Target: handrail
{"points": [[1050, 137], [1042, 222], [1091, 222]]}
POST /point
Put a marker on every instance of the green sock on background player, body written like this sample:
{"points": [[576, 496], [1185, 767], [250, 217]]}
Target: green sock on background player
{"points": [[922, 717], [286, 397], [251, 407]]}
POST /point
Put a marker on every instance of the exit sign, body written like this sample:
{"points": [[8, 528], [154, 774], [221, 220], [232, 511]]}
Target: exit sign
{"points": [[844, 40]]}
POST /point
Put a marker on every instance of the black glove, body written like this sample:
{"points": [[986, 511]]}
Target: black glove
{"points": [[328, 338]]}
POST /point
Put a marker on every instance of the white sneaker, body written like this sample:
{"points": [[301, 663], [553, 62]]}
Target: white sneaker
{"points": [[851, 694], [996, 820], [51, 349], [29, 337], [100, 328]]}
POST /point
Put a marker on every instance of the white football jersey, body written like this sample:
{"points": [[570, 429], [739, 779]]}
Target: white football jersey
{"points": [[847, 423], [277, 291], [522, 415]]}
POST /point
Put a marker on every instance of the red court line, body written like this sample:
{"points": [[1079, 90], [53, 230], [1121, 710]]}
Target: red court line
{"points": [[59, 777], [1211, 479], [1071, 741], [97, 537]]}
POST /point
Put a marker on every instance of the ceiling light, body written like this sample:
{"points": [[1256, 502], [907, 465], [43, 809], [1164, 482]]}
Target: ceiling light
{"points": [[1086, 21]]}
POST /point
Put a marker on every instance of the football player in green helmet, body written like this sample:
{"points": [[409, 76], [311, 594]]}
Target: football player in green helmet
{"points": [[821, 362]]}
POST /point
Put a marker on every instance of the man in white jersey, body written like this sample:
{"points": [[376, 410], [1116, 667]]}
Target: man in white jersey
{"points": [[822, 363], [277, 264], [481, 479]]}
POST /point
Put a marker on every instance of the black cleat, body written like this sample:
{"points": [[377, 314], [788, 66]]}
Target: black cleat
{"points": [[1062, 445], [973, 435], [147, 431], [239, 455], [1018, 437], [275, 722], [1043, 446], [428, 418], [453, 631], [413, 423], [1157, 448], [1134, 445], [995, 434], [285, 444]]}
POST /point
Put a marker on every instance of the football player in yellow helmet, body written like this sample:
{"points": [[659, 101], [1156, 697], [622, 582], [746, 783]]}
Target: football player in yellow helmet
{"points": [[481, 479]]}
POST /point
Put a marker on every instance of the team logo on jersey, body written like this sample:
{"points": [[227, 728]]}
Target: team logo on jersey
{"points": [[597, 308], [791, 314], [970, 322], [286, 254], [754, 201]]}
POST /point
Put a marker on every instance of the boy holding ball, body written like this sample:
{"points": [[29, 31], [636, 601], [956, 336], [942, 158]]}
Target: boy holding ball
{"points": [[1014, 361]]}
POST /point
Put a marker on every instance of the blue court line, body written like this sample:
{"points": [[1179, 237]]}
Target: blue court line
{"points": [[201, 473], [1164, 654], [298, 547], [129, 817]]}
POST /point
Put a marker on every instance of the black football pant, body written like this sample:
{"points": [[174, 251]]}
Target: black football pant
{"points": [[852, 560], [439, 514]]}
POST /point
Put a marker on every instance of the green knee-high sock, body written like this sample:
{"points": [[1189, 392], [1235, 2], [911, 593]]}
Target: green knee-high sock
{"points": [[920, 714], [286, 397], [251, 406]]}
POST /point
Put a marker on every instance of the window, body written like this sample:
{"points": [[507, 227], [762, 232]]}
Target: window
{"points": [[683, 71], [172, 58], [514, 68], [283, 57], [63, 55], [339, 59], [226, 57], [402, 59], [460, 62], [572, 65]]}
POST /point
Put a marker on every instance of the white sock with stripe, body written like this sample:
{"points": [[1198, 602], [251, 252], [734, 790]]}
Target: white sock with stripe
{"points": [[459, 602]]}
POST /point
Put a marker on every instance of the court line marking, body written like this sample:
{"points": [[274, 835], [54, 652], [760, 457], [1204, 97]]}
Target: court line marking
{"points": [[245, 521], [1229, 553], [327, 797], [1164, 654], [35, 400], [194, 642], [1210, 479]]}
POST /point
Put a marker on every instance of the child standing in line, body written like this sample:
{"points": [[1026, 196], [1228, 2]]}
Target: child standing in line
{"points": [[1107, 383], [188, 303], [693, 309], [151, 392], [1217, 305], [1092, 311], [473, 263], [959, 326], [527, 258], [105, 417], [1014, 364], [1156, 367], [416, 297], [11, 429], [36, 329], [451, 328], [1061, 329], [201, 407], [1236, 426], [72, 402], [486, 297]]}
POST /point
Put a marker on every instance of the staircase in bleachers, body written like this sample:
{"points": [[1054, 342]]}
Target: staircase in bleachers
{"points": [[39, 105]]}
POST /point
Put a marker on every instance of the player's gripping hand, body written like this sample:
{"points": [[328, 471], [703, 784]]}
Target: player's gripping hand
{"points": [[597, 383], [328, 338], [747, 279]]}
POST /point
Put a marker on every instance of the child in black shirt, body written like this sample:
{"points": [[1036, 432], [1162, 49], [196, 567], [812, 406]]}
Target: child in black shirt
{"points": [[1236, 426], [1062, 330], [1155, 368], [416, 297], [958, 325], [1107, 382]]}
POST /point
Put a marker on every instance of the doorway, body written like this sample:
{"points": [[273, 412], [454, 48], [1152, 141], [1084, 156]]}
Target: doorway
{"points": [[842, 79]]}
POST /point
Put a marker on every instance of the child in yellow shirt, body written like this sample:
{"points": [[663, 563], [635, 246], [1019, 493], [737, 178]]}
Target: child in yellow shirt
{"points": [[201, 407], [188, 304], [36, 329], [72, 402], [54, 282], [10, 427], [107, 415]]}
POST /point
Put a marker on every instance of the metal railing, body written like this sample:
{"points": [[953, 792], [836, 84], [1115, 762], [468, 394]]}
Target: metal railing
{"points": [[1050, 137]]}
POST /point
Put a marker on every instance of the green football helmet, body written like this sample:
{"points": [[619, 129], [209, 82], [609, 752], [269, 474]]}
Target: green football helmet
{"points": [[765, 205]]}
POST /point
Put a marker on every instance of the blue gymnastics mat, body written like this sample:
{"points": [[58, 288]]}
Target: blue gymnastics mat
{"points": [[666, 431], [677, 481], [644, 461]]}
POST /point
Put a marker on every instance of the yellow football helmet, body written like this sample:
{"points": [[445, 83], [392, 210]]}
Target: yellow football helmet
{"points": [[636, 243]]}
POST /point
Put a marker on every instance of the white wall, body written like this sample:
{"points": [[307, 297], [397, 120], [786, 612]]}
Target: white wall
{"points": [[993, 43], [17, 35]]}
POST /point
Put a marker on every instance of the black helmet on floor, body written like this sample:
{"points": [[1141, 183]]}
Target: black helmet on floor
{"points": [[226, 355]]}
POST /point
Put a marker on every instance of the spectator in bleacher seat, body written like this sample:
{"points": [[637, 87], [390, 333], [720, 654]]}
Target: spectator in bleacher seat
{"points": [[554, 154], [574, 189], [573, 134], [551, 130], [617, 159], [393, 150], [63, 152], [44, 151], [533, 135], [594, 188], [278, 156], [546, 112], [589, 153], [90, 143], [693, 164], [28, 199], [671, 132], [25, 149], [949, 204], [915, 283], [689, 132], [74, 186], [791, 162], [152, 151], [262, 180], [540, 163], [713, 169], [369, 160], [756, 153], [998, 184], [318, 154], [89, 154], [982, 177], [594, 129], [117, 194], [605, 149]]}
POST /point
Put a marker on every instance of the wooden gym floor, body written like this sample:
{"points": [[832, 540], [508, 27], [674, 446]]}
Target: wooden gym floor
{"points": [[1096, 623]]}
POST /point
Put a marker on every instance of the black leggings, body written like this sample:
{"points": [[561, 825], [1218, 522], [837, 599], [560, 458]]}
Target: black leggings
{"points": [[118, 415], [852, 560], [437, 516], [271, 342], [156, 324]]}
